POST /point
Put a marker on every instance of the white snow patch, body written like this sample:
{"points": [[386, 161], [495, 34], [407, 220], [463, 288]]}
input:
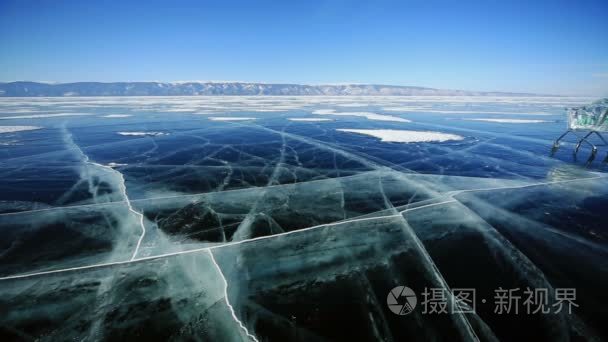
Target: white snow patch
{"points": [[367, 115], [38, 116], [117, 116], [10, 129], [404, 136], [310, 119], [142, 134], [515, 121], [230, 118]]}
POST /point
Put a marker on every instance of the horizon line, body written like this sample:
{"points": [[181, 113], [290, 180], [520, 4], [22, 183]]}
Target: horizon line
{"points": [[304, 84]]}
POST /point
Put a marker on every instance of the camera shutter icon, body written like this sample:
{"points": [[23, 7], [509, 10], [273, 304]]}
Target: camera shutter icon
{"points": [[401, 300]]}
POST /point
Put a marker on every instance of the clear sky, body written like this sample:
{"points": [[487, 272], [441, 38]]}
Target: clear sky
{"points": [[509, 45]]}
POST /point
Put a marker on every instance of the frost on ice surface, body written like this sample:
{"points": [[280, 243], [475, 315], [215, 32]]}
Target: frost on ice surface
{"points": [[404, 136], [10, 129], [272, 230]]}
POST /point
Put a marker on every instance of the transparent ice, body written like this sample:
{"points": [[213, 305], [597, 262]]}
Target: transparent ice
{"points": [[273, 229]]}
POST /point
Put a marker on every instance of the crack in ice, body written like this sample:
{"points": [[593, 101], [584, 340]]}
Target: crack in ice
{"points": [[228, 301], [229, 244], [121, 185]]}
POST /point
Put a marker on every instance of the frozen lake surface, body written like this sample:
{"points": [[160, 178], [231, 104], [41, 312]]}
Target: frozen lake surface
{"points": [[291, 218]]}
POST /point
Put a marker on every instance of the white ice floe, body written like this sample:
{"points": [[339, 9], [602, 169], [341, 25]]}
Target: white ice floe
{"points": [[367, 115], [514, 121], [310, 119], [230, 118], [142, 134], [404, 136], [117, 116], [40, 116], [10, 129]]}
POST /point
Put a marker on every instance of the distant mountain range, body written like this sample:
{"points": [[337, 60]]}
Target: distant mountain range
{"points": [[28, 89]]}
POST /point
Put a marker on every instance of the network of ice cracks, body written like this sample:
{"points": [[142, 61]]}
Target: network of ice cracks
{"points": [[264, 228]]}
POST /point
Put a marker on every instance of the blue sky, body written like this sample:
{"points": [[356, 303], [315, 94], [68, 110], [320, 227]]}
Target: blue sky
{"points": [[538, 46]]}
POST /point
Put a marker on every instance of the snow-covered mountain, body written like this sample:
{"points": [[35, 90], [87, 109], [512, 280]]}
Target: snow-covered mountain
{"points": [[224, 88]]}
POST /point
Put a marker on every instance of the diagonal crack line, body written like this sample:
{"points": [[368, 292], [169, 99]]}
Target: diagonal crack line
{"points": [[525, 186], [243, 229], [121, 185], [229, 244], [469, 330], [87, 267], [227, 300]]}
